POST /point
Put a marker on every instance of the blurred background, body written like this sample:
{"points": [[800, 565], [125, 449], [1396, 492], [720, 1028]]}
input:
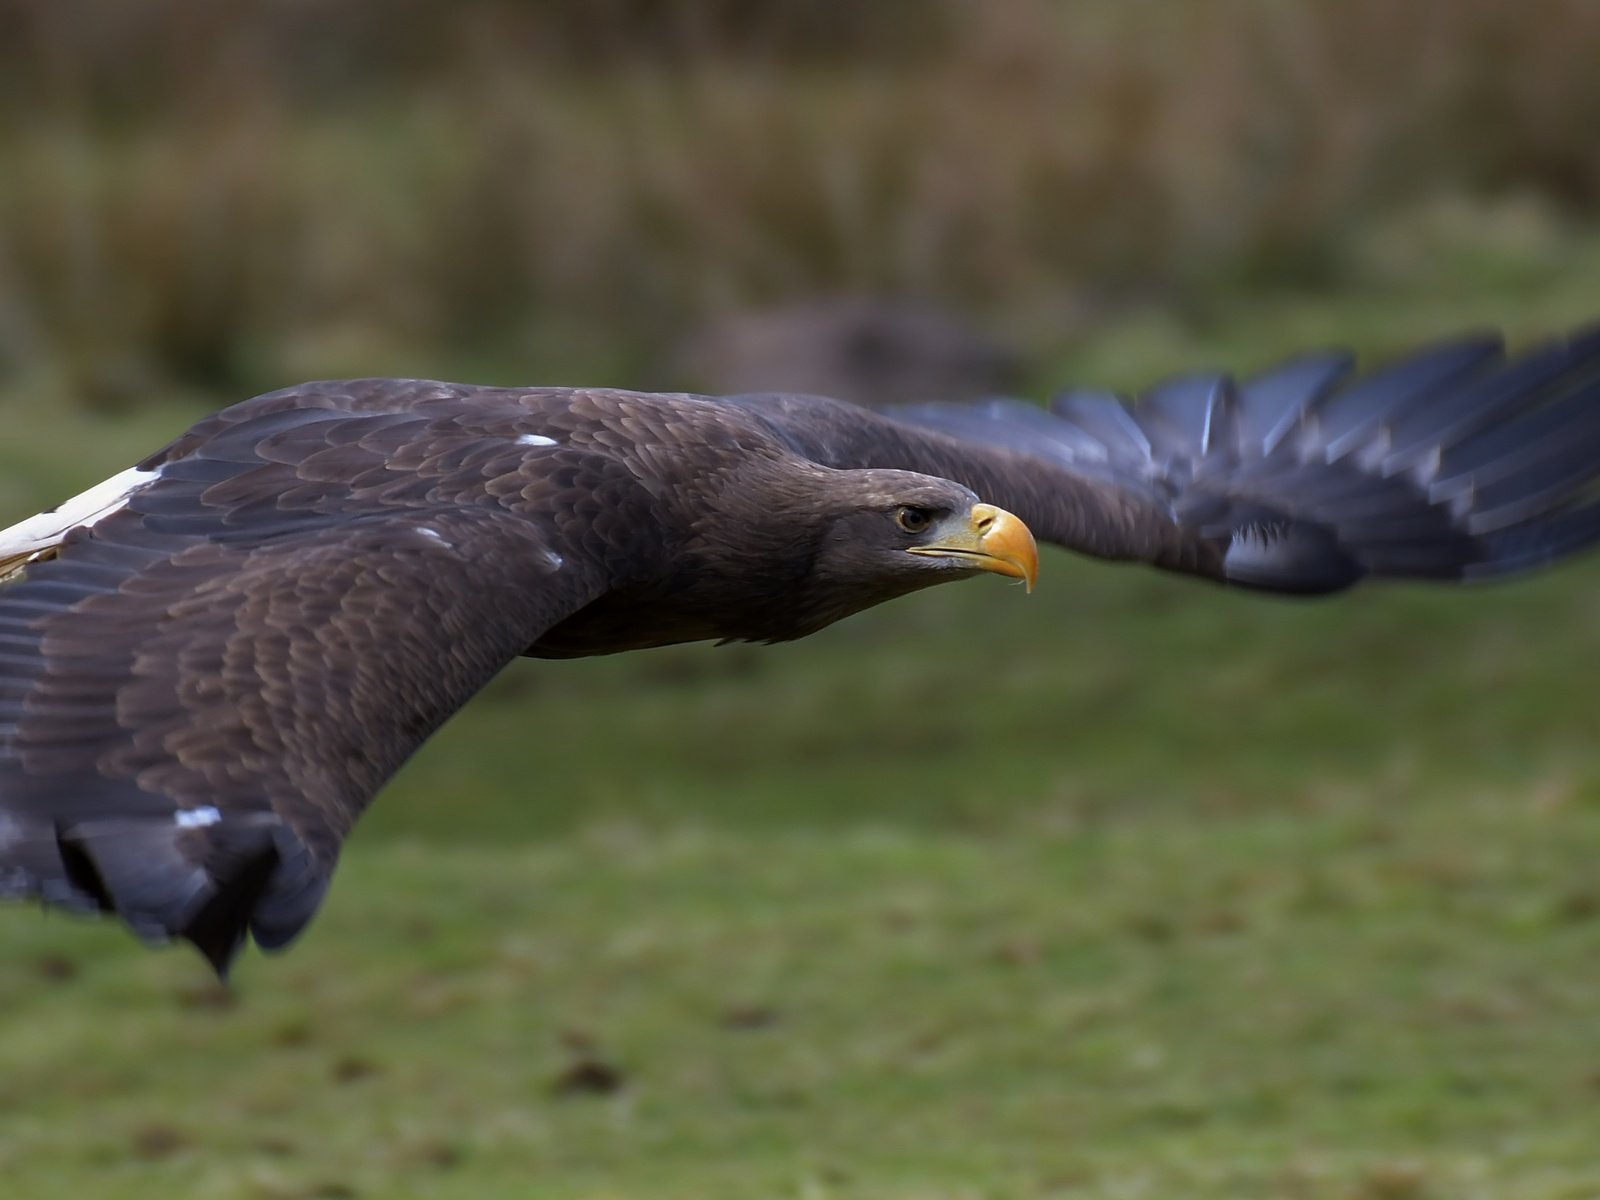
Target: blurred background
{"points": [[1129, 888]]}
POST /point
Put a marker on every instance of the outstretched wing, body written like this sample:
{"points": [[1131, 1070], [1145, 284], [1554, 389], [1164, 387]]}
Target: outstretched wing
{"points": [[200, 691], [1455, 463]]}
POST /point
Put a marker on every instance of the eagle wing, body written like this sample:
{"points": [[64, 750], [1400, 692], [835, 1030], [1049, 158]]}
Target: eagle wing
{"points": [[199, 694], [1458, 462]]}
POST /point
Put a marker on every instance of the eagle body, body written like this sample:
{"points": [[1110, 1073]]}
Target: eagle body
{"points": [[212, 662]]}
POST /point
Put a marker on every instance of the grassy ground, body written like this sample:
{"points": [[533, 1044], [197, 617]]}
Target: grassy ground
{"points": [[1127, 889], [1341, 1002]]}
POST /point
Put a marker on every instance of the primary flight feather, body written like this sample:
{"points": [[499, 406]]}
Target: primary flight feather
{"points": [[211, 662]]}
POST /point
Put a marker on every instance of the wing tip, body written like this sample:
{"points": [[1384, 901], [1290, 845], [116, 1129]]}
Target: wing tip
{"points": [[245, 877]]}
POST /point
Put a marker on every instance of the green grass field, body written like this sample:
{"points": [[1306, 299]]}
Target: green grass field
{"points": [[1131, 888]]}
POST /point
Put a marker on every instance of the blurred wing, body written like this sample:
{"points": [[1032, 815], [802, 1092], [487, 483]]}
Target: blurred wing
{"points": [[200, 693], [1454, 463]]}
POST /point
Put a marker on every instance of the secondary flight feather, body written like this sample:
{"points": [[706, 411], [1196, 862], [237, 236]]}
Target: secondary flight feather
{"points": [[211, 662]]}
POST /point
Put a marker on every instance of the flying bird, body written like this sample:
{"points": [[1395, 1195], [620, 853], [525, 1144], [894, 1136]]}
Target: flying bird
{"points": [[212, 661]]}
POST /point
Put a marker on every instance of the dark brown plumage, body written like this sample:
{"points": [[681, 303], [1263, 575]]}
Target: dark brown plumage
{"points": [[210, 664]]}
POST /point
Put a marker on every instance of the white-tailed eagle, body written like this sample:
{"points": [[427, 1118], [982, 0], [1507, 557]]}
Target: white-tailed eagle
{"points": [[210, 663]]}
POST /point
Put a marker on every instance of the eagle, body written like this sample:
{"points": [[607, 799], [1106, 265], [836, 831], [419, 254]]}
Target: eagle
{"points": [[212, 661]]}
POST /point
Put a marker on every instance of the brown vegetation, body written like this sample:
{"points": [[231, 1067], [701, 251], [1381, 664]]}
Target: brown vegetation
{"points": [[226, 195]]}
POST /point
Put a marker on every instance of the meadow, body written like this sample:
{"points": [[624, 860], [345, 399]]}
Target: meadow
{"points": [[1129, 888]]}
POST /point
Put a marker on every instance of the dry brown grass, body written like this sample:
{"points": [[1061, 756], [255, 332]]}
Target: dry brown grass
{"points": [[223, 195]]}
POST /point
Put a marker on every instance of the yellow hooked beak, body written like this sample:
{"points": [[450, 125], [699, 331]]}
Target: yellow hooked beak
{"points": [[986, 538]]}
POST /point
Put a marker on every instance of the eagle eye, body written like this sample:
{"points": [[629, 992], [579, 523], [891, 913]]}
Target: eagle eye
{"points": [[912, 519]]}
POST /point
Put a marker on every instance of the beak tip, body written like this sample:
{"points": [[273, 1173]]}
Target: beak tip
{"points": [[1009, 541]]}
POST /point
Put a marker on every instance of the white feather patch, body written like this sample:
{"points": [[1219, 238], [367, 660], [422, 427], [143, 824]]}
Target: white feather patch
{"points": [[428, 531], [196, 818], [535, 439], [45, 530]]}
